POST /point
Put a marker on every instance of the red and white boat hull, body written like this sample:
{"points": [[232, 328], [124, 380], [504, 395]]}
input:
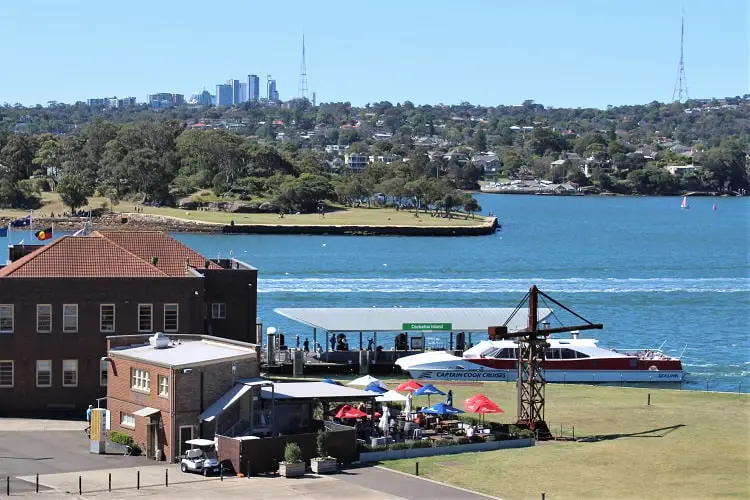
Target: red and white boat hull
{"points": [[553, 376]]}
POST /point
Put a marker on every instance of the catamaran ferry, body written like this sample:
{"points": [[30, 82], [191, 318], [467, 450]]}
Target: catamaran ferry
{"points": [[566, 360]]}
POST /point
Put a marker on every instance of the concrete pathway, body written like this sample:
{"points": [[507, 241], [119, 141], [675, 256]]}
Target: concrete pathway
{"points": [[37, 424]]}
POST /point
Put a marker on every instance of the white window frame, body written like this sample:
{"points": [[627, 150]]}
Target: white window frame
{"points": [[75, 364], [126, 419], [66, 315], [150, 308], [12, 373], [219, 310], [163, 383], [48, 371], [4, 309], [140, 380], [176, 318], [102, 329], [103, 372], [38, 315]]}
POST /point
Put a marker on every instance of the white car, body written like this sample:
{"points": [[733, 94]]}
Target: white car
{"points": [[201, 457]]}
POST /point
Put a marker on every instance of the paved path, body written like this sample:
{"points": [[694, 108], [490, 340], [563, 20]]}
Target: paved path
{"points": [[36, 424]]}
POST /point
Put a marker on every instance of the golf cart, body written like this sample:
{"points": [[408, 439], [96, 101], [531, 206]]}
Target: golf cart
{"points": [[201, 457]]}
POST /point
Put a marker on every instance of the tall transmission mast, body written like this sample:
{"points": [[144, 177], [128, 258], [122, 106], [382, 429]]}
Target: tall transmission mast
{"points": [[303, 73], [680, 91]]}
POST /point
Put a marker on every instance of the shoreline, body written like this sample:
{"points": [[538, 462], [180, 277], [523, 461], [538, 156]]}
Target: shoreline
{"points": [[146, 222]]}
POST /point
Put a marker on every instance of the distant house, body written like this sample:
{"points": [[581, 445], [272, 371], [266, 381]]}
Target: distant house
{"points": [[681, 169], [489, 162], [456, 156], [556, 163], [356, 161], [383, 158]]}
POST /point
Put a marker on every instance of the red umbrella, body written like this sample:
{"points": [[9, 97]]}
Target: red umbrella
{"points": [[481, 404], [347, 411], [409, 386], [474, 398]]}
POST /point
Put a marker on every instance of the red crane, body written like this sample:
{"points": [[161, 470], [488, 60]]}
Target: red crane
{"points": [[532, 343]]}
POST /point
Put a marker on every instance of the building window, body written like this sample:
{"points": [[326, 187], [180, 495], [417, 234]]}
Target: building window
{"points": [[6, 318], [70, 373], [6, 374], [219, 310], [44, 373], [127, 420], [103, 372], [43, 318], [171, 317], [163, 386], [70, 318], [145, 317], [106, 318], [140, 380]]}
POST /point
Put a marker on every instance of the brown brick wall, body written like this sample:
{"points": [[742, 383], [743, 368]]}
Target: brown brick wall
{"points": [[25, 345]]}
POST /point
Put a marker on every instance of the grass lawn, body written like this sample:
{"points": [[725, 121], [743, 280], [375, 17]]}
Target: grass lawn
{"points": [[352, 216], [685, 445]]}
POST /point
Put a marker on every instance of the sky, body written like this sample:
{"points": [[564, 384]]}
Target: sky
{"points": [[582, 53]]}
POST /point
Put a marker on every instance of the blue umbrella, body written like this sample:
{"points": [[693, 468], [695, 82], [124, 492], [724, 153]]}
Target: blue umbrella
{"points": [[375, 387], [330, 381], [442, 409], [427, 390]]}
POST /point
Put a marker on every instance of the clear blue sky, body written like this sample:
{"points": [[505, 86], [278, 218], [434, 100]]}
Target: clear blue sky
{"points": [[579, 53]]}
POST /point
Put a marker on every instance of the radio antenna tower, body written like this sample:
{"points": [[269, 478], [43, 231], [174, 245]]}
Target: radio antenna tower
{"points": [[680, 91], [303, 73]]}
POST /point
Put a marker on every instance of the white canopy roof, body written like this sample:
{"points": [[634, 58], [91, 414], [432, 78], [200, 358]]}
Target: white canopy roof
{"points": [[380, 319], [391, 396], [366, 380], [314, 390], [229, 398]]}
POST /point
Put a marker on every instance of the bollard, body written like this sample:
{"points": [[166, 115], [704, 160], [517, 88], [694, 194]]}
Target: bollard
{"points": [[109, 482], [80, 487], [221, 473], [542, 495], [7, 486], [249, 470], [561, 431], [37, 482], [574, 432], [649, 399], [416, 468], [166, 478], [138, 480]]}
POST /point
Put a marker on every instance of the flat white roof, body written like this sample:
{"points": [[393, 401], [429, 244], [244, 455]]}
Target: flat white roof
{"points": [[381, 319], [308, 390], [185, 353]]}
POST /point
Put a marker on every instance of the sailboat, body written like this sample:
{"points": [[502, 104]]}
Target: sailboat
{"points": [[684, 205]]}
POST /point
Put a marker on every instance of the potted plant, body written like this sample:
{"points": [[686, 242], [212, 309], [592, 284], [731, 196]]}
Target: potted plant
{"points": [[293, 465], [323, 463]]}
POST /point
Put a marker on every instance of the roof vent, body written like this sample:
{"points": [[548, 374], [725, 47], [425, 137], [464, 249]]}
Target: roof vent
{"points": [[159, 341], [154, 260]]}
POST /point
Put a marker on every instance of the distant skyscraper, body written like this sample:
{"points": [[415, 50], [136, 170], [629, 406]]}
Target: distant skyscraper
{"points": [[253, 88], [271, 93], [243, 92], [224, 95], [314, 97], [204, 98], [235, 84]]}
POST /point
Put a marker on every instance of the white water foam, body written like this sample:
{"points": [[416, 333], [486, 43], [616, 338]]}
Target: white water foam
{"points": [[503, 285]]}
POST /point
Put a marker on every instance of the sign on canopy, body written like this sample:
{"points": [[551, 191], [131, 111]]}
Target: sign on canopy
{"points": [[418, 327]]}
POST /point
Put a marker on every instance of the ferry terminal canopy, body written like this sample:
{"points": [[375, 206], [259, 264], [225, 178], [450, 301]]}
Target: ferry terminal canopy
{"points": [[383, 319]]}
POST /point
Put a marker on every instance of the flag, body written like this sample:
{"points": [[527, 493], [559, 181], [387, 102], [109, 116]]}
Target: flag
{"points": [[22, 222], [3, 232], [44, 234]]}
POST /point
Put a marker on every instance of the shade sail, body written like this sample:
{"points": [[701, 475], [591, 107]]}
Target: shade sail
{"points": [[392, 319], [391, 396], [145, 412], [229, 398]]}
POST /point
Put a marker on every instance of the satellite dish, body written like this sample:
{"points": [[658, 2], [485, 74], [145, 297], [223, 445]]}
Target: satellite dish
{"points": [[270, 330]]}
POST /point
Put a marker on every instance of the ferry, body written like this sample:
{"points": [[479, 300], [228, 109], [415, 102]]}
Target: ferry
{"points": [[566, 360]]}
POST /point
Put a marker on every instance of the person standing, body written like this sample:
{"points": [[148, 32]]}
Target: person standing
{"points": [[88, 420], [306, 345]]}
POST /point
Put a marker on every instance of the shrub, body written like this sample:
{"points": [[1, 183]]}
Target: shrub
{"points": [[490, 437], [292, 453], [321, 443], [122, 438], [440, 443], [401, 446]]}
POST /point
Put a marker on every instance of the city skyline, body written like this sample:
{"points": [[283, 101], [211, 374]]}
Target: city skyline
{"points": [[582, 55]]}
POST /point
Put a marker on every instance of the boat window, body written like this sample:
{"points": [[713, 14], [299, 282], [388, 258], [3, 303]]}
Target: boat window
{"points": [[580, 355], [506, 353], [487, 352], [567, 353]]}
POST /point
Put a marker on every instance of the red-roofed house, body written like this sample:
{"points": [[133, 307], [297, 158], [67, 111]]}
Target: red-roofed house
{"points": [[59, 302]]}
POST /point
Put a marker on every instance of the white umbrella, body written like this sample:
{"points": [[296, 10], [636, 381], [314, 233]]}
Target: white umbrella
{"points": [[391, 396], [367, 380], [384, 420]]}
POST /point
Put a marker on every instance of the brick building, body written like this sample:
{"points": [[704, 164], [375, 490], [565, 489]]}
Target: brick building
{"points": [[157, 386], [59, 302]]}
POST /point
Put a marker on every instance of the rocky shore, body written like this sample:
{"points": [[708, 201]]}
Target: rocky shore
{"points": [[147, 222]]}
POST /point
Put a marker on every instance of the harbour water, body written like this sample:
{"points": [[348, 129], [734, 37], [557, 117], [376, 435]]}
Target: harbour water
{"points": [[646, 269]]}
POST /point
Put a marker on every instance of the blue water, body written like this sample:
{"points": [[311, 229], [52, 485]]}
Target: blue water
{"points": [[646, 269]]}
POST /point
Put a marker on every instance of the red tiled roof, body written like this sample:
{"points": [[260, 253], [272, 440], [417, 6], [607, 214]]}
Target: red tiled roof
{"points": [[81, 257], [172, 255]]}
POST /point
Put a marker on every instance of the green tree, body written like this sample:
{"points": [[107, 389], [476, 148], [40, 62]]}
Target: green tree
{"points": [[479, 141], [73, 189]]}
